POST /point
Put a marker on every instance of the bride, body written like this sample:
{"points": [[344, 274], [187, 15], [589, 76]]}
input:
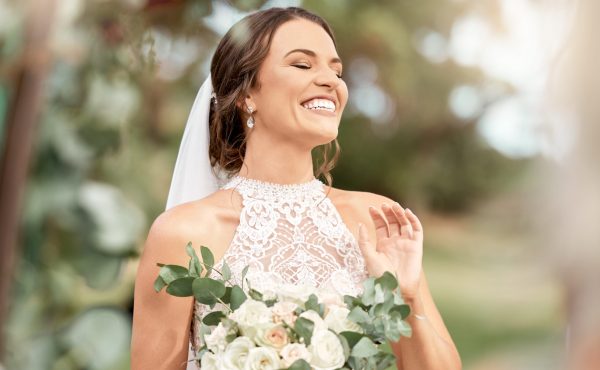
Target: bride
{"points": [[244, 185]]}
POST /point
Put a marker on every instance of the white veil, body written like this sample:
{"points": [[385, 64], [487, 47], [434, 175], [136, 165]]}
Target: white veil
{"points": [[193, 177]]}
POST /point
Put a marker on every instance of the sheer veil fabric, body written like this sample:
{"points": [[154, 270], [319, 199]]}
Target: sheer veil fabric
{"points": [[193, 177]]}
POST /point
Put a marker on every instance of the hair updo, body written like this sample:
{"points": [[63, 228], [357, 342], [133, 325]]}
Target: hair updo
{"points": [[234, 70]]}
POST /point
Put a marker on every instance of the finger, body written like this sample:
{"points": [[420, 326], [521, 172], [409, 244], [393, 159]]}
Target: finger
{"points": [[406, 229], [365, 245], [381, 227], [392, 220], [414, 221]]}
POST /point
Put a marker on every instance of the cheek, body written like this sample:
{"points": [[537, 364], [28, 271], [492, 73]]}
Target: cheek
{"points": [[343, 94]]}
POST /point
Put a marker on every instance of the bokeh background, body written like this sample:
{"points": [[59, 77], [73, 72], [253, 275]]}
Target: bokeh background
{"points": [[462, 110]]}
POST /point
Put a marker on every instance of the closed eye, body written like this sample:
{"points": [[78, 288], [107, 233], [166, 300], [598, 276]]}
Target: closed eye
{"points": [[302, 66]]}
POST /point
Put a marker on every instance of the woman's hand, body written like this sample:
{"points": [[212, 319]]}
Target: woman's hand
{"points": [[399, 246]]}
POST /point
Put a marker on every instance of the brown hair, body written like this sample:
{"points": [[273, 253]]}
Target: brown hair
{"points": [[234, 70]]}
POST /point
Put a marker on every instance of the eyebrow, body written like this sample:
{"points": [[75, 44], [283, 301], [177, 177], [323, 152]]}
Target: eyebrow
{"points": [[312, 54]]}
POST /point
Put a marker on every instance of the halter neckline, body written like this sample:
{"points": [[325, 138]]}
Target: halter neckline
{"points": [[272, 185]]}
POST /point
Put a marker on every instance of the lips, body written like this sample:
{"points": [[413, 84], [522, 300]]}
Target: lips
{"points": [[323, 103]]}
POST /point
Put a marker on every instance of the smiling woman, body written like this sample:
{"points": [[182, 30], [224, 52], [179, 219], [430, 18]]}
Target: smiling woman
{"points": [[278, 94]]}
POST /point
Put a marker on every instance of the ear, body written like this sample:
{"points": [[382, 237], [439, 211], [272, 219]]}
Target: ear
{"points": [[248, 102]]}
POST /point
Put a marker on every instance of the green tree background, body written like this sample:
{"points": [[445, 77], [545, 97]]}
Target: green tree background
{"points": [[108, 135]]}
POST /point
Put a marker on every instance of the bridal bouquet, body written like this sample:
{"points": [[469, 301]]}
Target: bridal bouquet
{"points": [[296, 328]]}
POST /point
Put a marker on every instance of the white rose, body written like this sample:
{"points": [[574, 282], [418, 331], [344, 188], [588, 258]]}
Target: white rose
{"points": [[327, 351], [330, 298], [293, 352], [215, 341], [236, 354], [262, 358], [284, 311], [210, 361], [250, 314], [320, 325], [337, 320], [271, 335], [296, 293]]}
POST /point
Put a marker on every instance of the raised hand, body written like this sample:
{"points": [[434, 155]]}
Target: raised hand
{"points": [[398, 249]]}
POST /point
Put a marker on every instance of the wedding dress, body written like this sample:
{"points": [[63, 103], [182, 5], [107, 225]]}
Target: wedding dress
{"points": [[288, 233]]}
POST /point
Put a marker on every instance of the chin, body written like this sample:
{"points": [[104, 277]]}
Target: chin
{"points": [[327, 137]]}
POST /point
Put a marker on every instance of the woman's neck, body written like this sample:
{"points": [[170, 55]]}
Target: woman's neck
{"points": [[280, 164]]}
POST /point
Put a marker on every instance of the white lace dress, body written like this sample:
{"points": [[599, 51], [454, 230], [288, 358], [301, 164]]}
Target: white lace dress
{"points": [[288, 234]]}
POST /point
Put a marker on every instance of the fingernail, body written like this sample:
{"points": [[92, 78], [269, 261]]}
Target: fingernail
{"points": [[408, 210]]}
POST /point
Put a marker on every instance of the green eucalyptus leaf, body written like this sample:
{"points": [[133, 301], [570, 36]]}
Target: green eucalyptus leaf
{"points": [[405, 329], [255, 294], [195, 266], [358, 315], [226, 271], [398, 299], [226, 298], [385, 360], [313, 304], [299, 365], [368, 296], [304, 327], [208, 259], [181, 287], [244, 272], [387, 281], [159, 283], [351, 337], [403, 310], [213, 318], [364, 348], [170, 273], [345, 346], [379, 325], [207, 290], [386, 306], [392, 330], [237, 297], [379, 295]]}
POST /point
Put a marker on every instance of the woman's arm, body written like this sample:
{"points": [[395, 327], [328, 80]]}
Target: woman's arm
{"points": [[161, 322], [430, 346], [394, 242]]}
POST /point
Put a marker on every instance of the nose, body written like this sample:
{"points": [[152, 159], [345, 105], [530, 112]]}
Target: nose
{"points": [[327, 77]]}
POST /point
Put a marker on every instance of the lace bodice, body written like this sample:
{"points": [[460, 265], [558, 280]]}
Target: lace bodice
{"points": [[290, 234]]}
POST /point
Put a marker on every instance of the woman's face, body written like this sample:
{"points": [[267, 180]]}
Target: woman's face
{"points": [[301, 96]]}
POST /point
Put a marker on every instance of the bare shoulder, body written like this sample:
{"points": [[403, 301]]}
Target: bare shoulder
{"points": [[199, 222], [353, 206], [357, 200]]}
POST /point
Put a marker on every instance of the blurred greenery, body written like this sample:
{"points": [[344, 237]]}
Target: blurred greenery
{"points": [[123, 78]]}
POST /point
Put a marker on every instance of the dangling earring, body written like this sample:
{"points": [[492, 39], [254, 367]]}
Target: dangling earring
{"points": [[250, 121]]}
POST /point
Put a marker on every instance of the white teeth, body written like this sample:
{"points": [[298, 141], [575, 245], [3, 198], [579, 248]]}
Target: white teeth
{"points": [[324, 104]]}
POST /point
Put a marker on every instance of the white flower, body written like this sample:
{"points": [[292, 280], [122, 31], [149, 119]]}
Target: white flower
{"points": [[236, 354], [320, 325], [210, 361], [215, 341], [250, 314], [271, 335], [295, 293], [337, 320], [327, 351], [284, 311], [262, 358], [294, 351], [330, 298]]}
